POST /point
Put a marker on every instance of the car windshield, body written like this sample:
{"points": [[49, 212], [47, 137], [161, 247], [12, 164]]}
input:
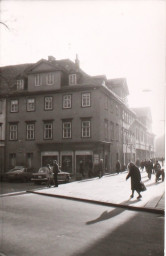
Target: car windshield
{"points": [[43, 170], [17, 168]]}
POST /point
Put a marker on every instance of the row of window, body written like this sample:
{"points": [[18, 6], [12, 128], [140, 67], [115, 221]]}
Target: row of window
{"points": [[48, 130], [49, 80], [126, 117], [48, 102]]}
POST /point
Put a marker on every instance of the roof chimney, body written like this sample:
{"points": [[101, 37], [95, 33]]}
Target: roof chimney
{"points": [[51, 58], [77, 62]]}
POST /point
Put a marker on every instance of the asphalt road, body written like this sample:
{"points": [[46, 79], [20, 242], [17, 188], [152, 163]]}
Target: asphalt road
{"points": [[12, 187], [39, 225]]}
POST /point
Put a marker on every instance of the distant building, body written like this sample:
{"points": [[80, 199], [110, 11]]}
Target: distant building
{"points": [[160, 147], [54, 110]]}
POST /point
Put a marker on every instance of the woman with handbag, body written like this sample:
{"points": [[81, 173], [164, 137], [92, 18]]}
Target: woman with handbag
{"points": [[135, 176]]}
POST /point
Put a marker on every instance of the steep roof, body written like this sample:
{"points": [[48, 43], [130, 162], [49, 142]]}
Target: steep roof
{"points": [[119, 82], [9, 73], [143, 112]]}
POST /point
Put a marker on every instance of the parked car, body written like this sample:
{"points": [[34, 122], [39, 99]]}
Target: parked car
{"points": [[20, 173], [41, 176]]}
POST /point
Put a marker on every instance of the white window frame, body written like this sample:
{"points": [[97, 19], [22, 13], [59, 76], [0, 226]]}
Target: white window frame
{"points": [[30, 104], [30, 131], [72, 79], [67, 101], [48, 130], [13, 131], [38, 80], [86, 128], [20, 84], [86, 99], [67, 129], [14, 106], [48, 103], [50, 79]]}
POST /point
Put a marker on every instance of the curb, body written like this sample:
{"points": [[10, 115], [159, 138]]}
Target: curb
{"points": [[13, 194], [132, 208]]}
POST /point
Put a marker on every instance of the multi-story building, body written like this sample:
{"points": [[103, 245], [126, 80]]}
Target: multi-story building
{"points": [[54, 110], [2, 133], [143, 134]]}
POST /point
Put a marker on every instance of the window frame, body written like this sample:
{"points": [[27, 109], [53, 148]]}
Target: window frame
{"points": [[86, 127], [45, 130], [69, 131], [69, 101], [20, 84], [28, 104], [38, 80], [72, 79], [14, 108], [87, 99], [49, 103], [13, 133], [50, 78], [32, 131]]}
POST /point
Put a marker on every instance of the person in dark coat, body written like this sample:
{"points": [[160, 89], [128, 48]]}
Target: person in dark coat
{"points": [[55, 171], [90, 167], [82, 168], [100, 168], [135, 176], [142, 164], [149, 169], [49, 176], [118, 167]]}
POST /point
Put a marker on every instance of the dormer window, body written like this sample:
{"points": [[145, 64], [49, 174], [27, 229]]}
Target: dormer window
{"points": [[38, 80], [50, 78], [72, 79], [20, 84]]}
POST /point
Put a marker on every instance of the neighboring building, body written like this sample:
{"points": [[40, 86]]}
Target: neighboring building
{"points": [[143, 135], [54, 110], [2, 133], [160, 147]]}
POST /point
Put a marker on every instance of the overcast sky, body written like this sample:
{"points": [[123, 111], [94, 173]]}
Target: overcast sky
{"points": [[115, 38]]}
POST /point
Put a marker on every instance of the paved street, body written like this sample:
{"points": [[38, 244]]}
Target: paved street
{"points": [[13, 187], [40, 225], [112, 189]]}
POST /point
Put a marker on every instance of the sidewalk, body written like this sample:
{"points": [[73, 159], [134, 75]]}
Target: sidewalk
{"points": [[112, 190]]}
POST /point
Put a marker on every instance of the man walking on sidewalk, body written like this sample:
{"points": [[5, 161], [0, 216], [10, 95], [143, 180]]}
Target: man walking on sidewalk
{"points": [[55, 171]]}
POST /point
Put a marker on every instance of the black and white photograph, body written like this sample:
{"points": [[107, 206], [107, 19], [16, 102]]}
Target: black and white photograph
{"points": [[82, 127]]}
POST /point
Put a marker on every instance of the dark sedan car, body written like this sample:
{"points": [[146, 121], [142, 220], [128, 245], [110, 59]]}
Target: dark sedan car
{"points": [[19, 173], [42, 176]]}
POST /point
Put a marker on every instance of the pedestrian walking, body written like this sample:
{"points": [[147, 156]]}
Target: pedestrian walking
{"points": [[149, 169], [142, 165], [100, 168], [49, 172], [118, 167], [82, 168], [90, 167], [137, 163], [157, 166], [55, 171], [135, 176]]}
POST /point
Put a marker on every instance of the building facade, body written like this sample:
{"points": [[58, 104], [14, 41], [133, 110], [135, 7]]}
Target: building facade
{"points": [[54, 110]]}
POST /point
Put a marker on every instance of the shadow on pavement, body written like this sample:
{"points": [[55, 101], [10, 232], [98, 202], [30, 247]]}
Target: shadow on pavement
{"points": [[107, 215], [142, 234]]}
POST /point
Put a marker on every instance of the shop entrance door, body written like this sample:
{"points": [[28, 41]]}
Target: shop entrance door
{"points": [[85, 160], [48, 160]]}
